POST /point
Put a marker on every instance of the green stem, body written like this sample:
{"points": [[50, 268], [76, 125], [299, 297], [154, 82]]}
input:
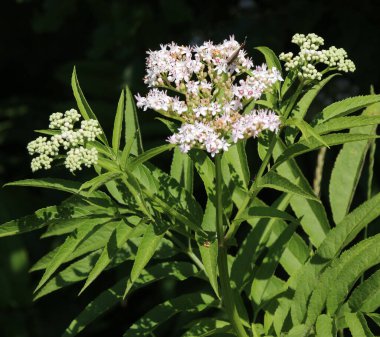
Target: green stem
{"points": [[226, 290]]}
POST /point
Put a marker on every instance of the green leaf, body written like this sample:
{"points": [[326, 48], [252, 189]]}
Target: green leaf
{"points": [[209, 250], [83, 106], [306, 129], [277, 182], [347, 171], [336, 239], [207, 327], [118, 123], [64, 226], [142, 158], [171, 125], [235, 167], [375, 318], [345, 107], [39, 219], [97, 237], [191, 303], [132, 128], [149, 244], [310, 213], [358, 325], [63, 252], [97, 182], [324, 326], [305, 146], [303, 105], [268, 266], [182, 170], [119, 236], [298, 331], [114, 295], [51, 183], [342, 123], [266, 212], [366, 297], [337, 280]]}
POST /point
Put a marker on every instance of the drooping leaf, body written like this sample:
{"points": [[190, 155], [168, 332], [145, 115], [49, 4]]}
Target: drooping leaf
{"points": [[118, 123], [280, 183], [83, 106], [191, 303], [114, 295], [266, 212], [64, 185]]}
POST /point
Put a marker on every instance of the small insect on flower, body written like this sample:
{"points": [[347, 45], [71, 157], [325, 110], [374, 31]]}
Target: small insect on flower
{"points": [[235, 54]]}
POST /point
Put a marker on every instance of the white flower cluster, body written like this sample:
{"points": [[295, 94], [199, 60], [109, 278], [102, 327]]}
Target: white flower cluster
{"points": [[212, 82], [310, 55], [68, 138]]}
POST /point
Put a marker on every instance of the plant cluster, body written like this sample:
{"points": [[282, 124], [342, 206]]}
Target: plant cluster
{"points": [[292, 271]]}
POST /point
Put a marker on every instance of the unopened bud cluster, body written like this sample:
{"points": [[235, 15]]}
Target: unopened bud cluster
{"points": [[304, 63], [213, 83], [68, 138]]}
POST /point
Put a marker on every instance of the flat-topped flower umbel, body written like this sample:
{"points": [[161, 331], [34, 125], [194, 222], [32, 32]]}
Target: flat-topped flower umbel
{"points": [[212, 83]]}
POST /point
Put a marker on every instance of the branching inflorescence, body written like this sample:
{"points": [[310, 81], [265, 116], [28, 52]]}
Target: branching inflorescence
{"points": [[212, 88], [310, 56], [72, 140]]}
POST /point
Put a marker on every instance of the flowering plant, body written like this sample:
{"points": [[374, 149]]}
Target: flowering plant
{"points": [[283, 269]]}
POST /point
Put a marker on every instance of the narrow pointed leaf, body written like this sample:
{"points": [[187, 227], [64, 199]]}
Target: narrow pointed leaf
{"points": [[324, 326], [191, 303], [345, 107], [347, 170], [51, 183], [132, 128], [207, 327], [97, 182], [114, 295], [182, 169], [142, 158], [280, 183], [83, 106], [303, 105], [366, 297], [358, 325], [118, 123], [150, 242], [117, 239], [305, 146]]}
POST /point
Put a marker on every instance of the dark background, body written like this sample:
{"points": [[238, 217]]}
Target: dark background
{"points": [[41, 41]]}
